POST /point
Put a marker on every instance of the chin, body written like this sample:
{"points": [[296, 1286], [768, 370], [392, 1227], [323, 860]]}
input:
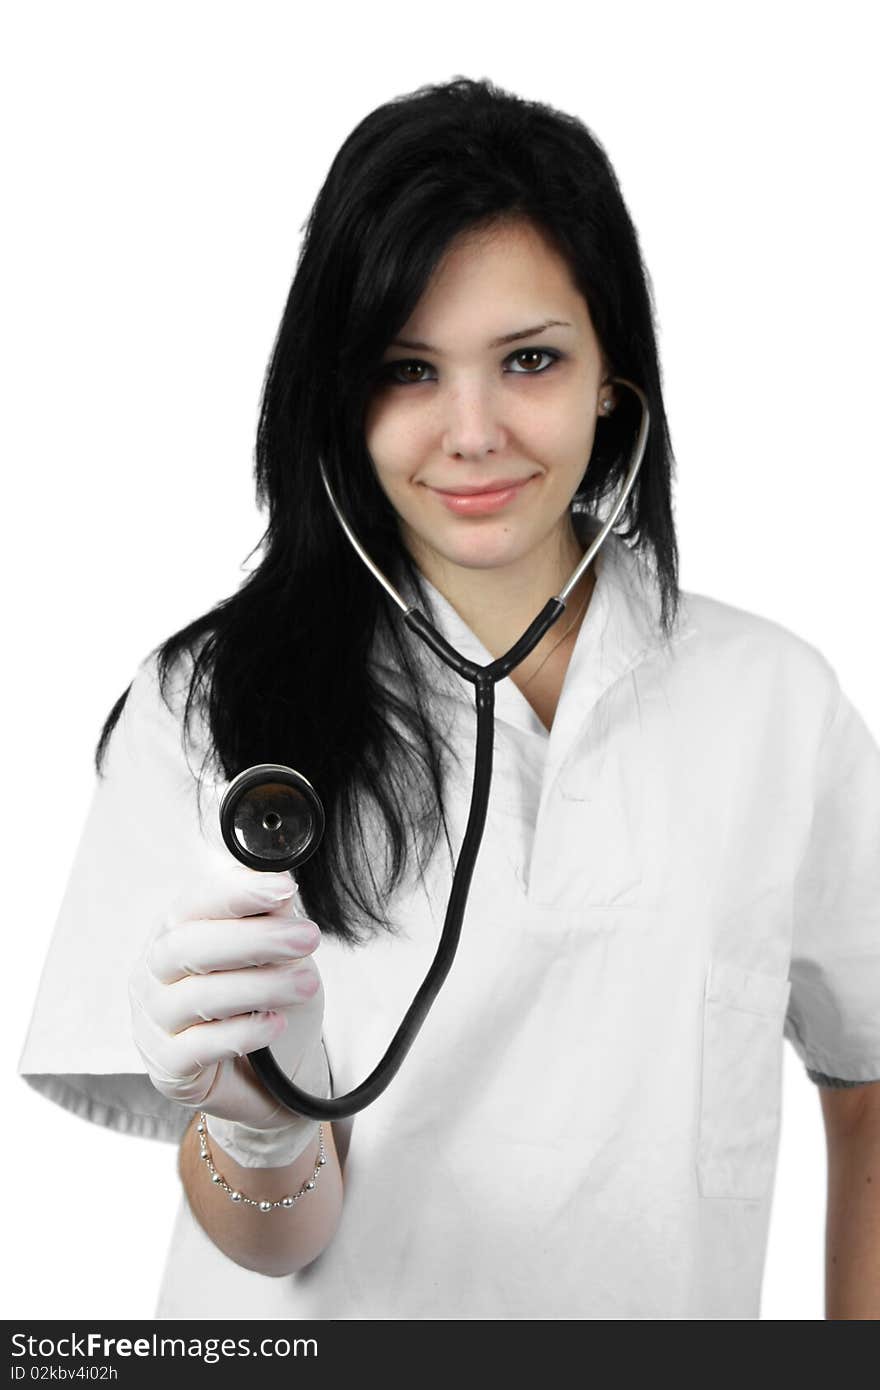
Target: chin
{"points": [[477, 555], [474, 544]]}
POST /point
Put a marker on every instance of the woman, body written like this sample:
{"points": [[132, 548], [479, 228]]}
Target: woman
{"points": [[678, 867]]}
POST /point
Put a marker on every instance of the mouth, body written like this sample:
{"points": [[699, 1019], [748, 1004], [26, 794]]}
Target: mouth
{"points": [[499, 485], [478, 501]]}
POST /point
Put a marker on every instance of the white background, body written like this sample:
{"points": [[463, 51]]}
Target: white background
{"points": [[159, 163]]}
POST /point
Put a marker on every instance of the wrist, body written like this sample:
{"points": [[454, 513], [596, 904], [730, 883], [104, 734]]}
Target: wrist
{"points": [[279, 1182], [280, 1146]]}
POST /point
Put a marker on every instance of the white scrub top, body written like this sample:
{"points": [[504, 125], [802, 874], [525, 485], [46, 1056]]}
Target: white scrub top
{"points": [[681, 873]]}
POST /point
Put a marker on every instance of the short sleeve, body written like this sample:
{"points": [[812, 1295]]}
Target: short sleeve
{"points": [[142, 837], [833, 1019]]}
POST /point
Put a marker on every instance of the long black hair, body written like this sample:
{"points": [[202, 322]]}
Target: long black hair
{"points": [[279, 671]]}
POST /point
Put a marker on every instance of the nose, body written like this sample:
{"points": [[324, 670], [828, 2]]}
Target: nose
{"points": [[472, 426]]}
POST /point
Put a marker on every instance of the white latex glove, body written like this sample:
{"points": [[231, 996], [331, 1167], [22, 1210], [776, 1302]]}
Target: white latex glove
{"points": [[235, 946]]}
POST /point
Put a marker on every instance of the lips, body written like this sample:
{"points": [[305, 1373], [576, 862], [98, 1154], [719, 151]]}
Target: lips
{"points": [[463, 490], [481, 501]]}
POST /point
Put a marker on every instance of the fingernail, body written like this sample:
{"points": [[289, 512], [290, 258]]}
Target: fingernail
{"points": [[276, 892], [306, 934]]}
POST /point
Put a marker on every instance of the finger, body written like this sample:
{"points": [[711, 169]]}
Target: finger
{"points": [[185, 1067], [198, 947], [225, 1039], [230, 889], [225, 993]]}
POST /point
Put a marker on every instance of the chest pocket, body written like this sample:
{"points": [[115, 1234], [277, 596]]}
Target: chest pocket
{"points": [[741, 1081]]}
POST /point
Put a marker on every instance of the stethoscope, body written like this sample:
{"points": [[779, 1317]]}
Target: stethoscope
{"points": [[272, 818]]}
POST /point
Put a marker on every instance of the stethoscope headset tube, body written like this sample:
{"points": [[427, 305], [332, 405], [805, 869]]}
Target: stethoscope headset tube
{"points": [[277, 809]]}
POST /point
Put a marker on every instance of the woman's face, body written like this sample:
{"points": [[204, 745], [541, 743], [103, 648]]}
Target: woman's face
{"points": [[458, 409]]}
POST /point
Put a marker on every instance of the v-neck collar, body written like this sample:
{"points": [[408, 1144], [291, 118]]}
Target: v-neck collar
{"points": [[620, 628]]}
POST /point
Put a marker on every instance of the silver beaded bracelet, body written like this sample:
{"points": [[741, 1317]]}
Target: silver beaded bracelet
{"points": [[235, 1196]]}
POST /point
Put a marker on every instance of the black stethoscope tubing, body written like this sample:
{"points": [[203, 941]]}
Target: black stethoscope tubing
{"points": [[483, 678]]}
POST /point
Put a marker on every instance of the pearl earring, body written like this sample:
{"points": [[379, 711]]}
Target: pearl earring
{"points": [[607, 404]]}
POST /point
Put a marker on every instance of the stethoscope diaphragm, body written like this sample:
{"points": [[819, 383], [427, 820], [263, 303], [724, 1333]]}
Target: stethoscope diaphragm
{"points": [[271, 818]]}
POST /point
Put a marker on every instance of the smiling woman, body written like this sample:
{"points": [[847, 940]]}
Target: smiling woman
{"points": [[586, 1125], [481, 455]]}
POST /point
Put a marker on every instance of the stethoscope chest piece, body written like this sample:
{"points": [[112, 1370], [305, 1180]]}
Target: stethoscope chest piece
{"points": [[271, 818]]}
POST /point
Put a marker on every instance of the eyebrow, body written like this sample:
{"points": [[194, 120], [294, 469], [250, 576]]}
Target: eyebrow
{"points": [[496, 342]]}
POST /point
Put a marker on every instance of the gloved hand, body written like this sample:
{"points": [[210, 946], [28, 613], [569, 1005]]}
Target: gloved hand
{"points": [[234, 947]]}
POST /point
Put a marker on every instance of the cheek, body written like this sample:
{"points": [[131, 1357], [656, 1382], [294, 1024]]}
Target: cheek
{"points": [[554, 424], [563, 434], [392, 475], [393, 445]]}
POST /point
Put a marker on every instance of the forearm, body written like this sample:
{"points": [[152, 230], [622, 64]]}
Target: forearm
{"points": [[273, 1243], [852, 1234]]}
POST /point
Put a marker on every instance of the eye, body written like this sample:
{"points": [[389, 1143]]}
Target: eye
{"points": [[389, 372], [535, 352]]}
